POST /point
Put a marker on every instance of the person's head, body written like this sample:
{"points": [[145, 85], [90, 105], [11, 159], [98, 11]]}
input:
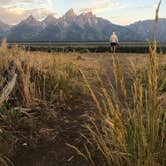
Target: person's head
{"points": [[114, 33]]}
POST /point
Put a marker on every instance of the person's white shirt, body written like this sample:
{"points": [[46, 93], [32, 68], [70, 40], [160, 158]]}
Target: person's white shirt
{"points": [[114, 38]]}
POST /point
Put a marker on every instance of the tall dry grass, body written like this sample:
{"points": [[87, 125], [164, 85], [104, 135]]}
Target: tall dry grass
{"points": [[42, 78], [130, 126]]}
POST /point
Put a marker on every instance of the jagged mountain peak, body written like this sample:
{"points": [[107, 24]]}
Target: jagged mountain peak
{"points": [[70, 13], [50, 19], [50, 16], [89, 14], [30, 19]]}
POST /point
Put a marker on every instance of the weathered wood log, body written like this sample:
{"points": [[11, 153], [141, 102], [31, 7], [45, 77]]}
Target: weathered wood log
{"points": [[10, 82], [6, 91]]}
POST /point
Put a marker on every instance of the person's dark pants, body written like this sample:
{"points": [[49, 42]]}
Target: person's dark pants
{"points": [[113, 47]]}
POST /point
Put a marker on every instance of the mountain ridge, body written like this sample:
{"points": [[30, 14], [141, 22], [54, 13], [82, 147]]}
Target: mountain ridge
{"points": [[82, 27], [145, 29], [3, 28]]}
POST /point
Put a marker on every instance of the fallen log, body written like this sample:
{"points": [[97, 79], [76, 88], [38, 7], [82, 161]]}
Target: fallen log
{"points": [[10, 82], [6, 91]]}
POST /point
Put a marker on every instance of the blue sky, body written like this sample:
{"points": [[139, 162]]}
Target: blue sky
{"points": [[121, 12]]}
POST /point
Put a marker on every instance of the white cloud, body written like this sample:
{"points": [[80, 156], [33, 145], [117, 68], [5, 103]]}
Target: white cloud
{"points": [[13, 15], [99, 6], [152, 5], [4, 3], [12, 11]]}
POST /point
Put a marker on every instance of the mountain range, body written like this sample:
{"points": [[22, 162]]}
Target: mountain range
{"points": [[83, 27], [3, 28]]}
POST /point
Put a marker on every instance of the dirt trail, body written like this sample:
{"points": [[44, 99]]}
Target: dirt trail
{"points": [[51, 149]]}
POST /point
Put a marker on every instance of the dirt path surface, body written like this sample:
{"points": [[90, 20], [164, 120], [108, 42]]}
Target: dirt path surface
{"points": [[50, 148]]}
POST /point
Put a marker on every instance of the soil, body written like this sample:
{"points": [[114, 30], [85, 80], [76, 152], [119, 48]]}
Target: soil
{"points": [[46, 146]]}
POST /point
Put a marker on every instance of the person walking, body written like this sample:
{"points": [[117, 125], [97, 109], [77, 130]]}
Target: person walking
{"points": [[114, 41]]}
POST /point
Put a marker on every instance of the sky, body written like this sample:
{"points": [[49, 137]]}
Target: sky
{"points": [[122, 12]]}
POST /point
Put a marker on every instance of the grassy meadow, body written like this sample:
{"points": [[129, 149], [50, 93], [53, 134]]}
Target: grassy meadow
{"points": [[83, 109]]}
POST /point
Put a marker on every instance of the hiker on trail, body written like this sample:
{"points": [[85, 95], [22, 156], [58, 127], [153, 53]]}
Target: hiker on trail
{"points": [[114, 42]]}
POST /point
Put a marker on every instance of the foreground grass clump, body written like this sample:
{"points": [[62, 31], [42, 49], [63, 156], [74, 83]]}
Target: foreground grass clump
{"points": [[130, 128]]}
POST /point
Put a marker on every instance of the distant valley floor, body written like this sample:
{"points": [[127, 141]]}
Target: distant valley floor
{"points": [[85, 47]]}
